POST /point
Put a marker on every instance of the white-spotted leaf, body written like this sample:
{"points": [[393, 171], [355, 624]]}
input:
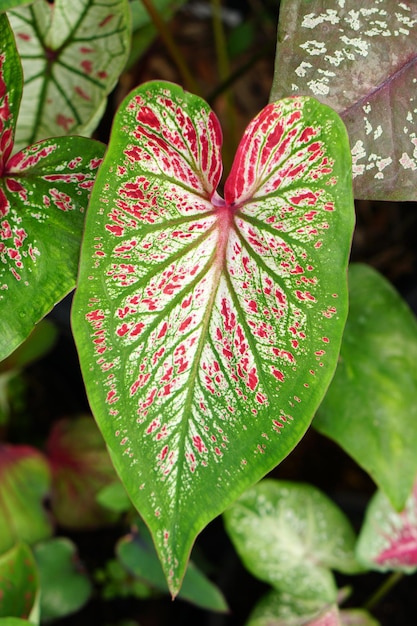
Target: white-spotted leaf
{"points": [[208, 328], [44, 190], [361, 59], [72, 55]]}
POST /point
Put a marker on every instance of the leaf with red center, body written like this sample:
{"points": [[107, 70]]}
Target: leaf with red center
{"points": [[72, 57], [208, 329], [44, 190], [388, 539]]}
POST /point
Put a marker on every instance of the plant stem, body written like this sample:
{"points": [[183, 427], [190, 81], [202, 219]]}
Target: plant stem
{"points": [[223, 68], [383, 590], [189, 83]]}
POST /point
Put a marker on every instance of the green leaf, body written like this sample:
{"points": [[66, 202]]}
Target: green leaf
{"points": [[283, 609], [24, 483], [39, 342], [370, 409], [138, 555], [44, 190], [291, 535], [65, 588], [18, 583], [80, 467], [361, 60], [72, 56], [208, 329], [6, 5], [114, 497]]}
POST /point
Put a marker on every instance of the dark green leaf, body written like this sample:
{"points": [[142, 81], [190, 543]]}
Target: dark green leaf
{"points": [[138, 555], [370, 409], [65, 588]]}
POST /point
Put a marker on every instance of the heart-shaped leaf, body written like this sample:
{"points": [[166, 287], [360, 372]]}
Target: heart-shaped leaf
{"points": [[24, 484], [291, 535], [80, 467], [361, 59], [208, 329], [19, 585], [65, 588], [72, 56], [44, 190], [370, 408], [388, 539]]}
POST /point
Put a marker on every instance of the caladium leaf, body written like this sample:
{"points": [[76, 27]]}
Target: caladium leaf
{"points": [[208, 329], [291, 535], [370, 408], [24, 484], [44, 190], [72, 56], [362, 61], [80, 467], [388, 539], [65, 586]]}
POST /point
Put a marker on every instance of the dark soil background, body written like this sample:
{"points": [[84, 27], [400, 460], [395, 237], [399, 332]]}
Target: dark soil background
{"points": [[385, 237]]}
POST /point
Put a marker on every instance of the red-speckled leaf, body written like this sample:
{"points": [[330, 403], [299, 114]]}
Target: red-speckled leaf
{"points": [[361, 59], [388, 539], [72, 55], [44, 190], [208, 329]]}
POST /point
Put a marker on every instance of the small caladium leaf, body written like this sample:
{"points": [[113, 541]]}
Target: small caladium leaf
{"points": [[370, 408], [291, 535], [44, 190], [362, 61], [72, 56], [24, 484], [208, 329], [388, 539], [65, 587], [19, 584], [80, 467]]}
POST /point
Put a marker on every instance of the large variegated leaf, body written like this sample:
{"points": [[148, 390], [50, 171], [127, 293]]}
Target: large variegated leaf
{"points": [[72, 55], [208, 329], [44, 190], [361, 59]]}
